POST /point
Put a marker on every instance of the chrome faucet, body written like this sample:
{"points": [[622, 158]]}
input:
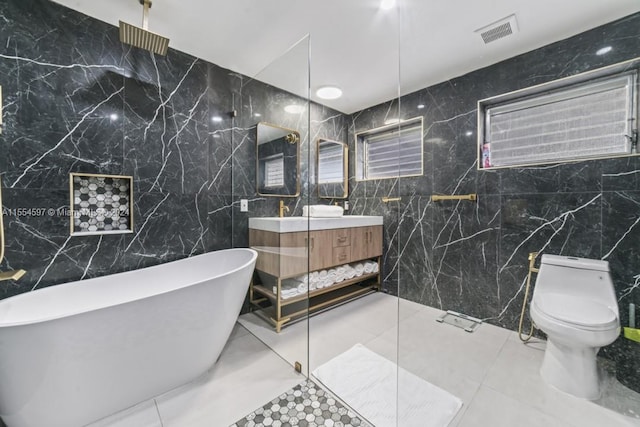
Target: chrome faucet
{"points": [[282, 208]]}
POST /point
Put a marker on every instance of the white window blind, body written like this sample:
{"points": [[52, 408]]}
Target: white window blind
{"points": [[588, 120], [274, 171], [392, 152]]}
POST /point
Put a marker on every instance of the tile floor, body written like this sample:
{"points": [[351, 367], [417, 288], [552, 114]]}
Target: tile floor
{"points": [[494, 374], [305, 405], [247, 375]]}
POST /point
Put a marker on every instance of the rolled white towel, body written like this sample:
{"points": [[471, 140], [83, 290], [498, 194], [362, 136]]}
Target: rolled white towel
{"points": [[302, 288], [289, 293], [339, 278], [326, 283], [322, 274], [322, 211], [368, 267], [313, 286], [303, 279], [290, 283], [351, 272], [359, 268], [331, 275], [314, 278], [376, 267]]}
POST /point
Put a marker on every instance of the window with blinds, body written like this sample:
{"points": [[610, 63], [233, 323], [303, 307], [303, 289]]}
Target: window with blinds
{"points": [[587, 120], [274, 171], [330, 163], [390, 152]]}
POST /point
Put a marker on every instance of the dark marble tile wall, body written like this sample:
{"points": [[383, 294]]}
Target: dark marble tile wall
{"points": [[472, 257], [77, 100], [263, 103]]}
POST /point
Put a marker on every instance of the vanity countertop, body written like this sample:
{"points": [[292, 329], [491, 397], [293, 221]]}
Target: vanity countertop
{"points": [[302, 223]]}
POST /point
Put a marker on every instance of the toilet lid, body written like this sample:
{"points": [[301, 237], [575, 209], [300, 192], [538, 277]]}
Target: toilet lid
{"points": [[577, 311]]}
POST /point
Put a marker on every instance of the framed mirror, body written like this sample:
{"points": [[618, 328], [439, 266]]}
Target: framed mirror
{"points": [[332, 169], [278, 161]]}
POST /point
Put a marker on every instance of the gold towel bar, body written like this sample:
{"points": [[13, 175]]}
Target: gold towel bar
{"points": [[391, 199], [11, 275], [472, 197]]}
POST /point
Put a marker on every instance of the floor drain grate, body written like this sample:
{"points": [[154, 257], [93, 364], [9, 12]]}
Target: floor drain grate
{"points": [[460, 320]]}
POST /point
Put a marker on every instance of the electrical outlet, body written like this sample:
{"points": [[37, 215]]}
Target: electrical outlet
{"points": [[244, 205], [346, 205]]}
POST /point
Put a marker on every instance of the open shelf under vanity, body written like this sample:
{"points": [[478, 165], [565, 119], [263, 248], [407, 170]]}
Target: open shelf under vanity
{"points": [[287, 256]]}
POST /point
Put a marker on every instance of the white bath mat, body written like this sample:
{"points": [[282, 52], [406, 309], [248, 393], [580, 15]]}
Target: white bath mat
{"points": [[373, 385]]}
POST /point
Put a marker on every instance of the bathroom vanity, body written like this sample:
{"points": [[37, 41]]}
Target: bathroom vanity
{"points": [[289, 248]]}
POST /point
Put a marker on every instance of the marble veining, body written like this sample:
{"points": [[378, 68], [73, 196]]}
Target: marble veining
{"points": [[76, 100], [472, 257]]}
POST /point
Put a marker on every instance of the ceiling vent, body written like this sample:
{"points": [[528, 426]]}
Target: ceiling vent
{"points": [[499, 29]]}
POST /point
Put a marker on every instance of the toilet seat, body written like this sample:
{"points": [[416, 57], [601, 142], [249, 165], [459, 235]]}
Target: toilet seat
{"points": [[577, 312]]}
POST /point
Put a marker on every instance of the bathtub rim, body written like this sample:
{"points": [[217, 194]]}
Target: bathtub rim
{"points": [[69, 314]]}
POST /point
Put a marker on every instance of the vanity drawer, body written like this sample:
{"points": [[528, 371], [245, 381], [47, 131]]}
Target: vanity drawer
{"points": [[341, 237], [341, 255]]}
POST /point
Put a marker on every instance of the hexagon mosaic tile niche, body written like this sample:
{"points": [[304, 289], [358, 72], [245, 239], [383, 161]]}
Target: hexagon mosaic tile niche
{"points": [[305, 405], [101, 204]]}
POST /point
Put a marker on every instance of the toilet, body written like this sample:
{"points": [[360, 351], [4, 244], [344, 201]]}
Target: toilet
{"points": [[575, 305]]}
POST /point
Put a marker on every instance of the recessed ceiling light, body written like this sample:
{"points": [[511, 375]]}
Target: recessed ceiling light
{"points": [[391, 121], [469, 133], [420, 106], [329, 92], [257, 115], [294, 109], [113, 117], [387, 4], [604, 50], [216, 119]]}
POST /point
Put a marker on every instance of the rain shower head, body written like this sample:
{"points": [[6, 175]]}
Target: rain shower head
{"points": [[142, 37]]}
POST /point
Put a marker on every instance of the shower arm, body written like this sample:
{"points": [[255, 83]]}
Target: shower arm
{"points": [[146, 4]]}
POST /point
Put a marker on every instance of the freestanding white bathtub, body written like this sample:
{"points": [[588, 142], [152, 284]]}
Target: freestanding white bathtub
{"points": [[74, 353]]}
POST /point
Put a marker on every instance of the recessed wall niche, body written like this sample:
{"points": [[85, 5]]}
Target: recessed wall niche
{"points": [[101, 204]]}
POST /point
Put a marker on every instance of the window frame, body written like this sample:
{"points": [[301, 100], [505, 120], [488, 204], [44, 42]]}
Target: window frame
{"points": [[360, 161], [273, 160], [631, 67]]}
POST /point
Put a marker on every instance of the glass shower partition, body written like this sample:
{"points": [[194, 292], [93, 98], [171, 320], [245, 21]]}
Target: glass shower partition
{"points": [[271, 153], [466, 231], [353, 344]]}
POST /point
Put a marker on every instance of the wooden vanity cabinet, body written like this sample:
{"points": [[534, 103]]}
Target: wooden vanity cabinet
{"points": [[287, 255], [366, 242]]}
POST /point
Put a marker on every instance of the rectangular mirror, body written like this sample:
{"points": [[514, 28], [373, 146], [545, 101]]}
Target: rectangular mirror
{"points": [[278, 161], [332, 169]]}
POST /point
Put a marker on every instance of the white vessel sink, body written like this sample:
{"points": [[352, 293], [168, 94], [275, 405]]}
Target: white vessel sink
{"points": [[302, 223]]}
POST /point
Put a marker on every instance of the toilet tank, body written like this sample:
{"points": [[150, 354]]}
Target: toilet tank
{"points": [[579, 277]]}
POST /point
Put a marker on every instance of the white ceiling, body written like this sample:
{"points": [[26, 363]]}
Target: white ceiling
{"points": [[352, 43]]}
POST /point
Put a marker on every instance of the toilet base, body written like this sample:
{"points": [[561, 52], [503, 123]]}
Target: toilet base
{"points": [[572, 370]]}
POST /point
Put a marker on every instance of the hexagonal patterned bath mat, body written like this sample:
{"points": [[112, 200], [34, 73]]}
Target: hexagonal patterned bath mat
{"points": [[305, 405]]}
